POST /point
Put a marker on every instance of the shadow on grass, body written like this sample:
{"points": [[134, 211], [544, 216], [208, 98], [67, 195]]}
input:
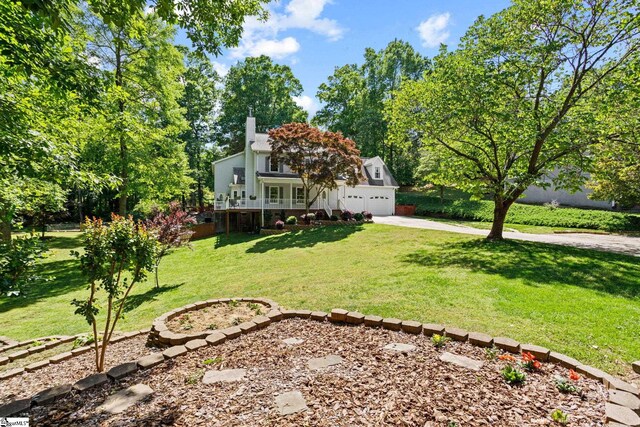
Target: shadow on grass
{"points": [[222, 240], [65, 277], [538, 263], [134, 301], [63, 242], [303, 239]]}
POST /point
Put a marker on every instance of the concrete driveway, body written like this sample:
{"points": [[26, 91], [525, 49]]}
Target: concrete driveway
{"points": [[603, 242]]}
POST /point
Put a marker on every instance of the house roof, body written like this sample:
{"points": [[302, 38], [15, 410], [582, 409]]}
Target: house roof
{"points": [[387, 179], [261, 143], [238, 175], [276, 175]]}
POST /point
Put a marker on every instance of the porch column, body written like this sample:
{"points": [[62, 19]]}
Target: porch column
{"points": [[262, 203], [290, 195]]}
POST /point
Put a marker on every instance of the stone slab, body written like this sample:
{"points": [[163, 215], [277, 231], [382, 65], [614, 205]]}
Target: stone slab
{"points": [[216, 338], [81, 350], [541, 353], [636, 367], [338, 315], [195, 344], [262, 321], [292, 341], [303, 314], [4, 360], [430, 329], [324, 362], [463, 361], [91, 381], [456, 334], [247, 327], [61, 357], [122, 370], [624, 398], [18, 355], [318, 315], [51, 394], [225, 375], [178, 339], [151, 360], [621, 414], [355, 318], [563, 360], [411, 327], [175, 351], [400, 347], [36, 365], [274, 315], [480, 339], [614, 383], [16, 407], [372, 321], [392, 324], [591, 372], [507, 344], [37, 349], [124, 399], [11, 373], [290, 402], [231, 332], [288, 314]]}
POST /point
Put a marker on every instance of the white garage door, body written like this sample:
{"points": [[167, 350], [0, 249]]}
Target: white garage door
{"points": [[380, 205], [355, 202]]}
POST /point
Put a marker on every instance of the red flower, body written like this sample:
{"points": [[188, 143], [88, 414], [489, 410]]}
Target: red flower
{"points": [[528, 357], [573, 375], [537, 365], [507, 357]]}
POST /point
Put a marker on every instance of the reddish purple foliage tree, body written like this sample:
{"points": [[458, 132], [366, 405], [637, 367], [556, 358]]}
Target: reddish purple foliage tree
{"points": [[171, 230]]}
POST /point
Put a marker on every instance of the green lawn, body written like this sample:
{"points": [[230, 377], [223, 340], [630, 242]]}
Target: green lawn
{"points": [[522, 228], [582, 303]]}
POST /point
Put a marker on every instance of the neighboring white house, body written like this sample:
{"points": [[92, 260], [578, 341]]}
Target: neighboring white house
{"points": [[538, 195], [251, 181]]}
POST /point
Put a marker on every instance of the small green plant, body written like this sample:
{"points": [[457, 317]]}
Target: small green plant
{"points": [[212, 326], [36, 344], [452, 424], [236, 321], [491, 353], [82, 341], [234, 303], [255, 307], [187, 326], [439, 341], [212, 361], [513, 376], [292, 220], [560, 417], [565, 386], [194, 377]]}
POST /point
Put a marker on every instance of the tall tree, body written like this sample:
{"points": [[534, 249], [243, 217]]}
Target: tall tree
{"points": [[199, 103], [264, 88], [516, 100], [136, 131], [354, 98]]}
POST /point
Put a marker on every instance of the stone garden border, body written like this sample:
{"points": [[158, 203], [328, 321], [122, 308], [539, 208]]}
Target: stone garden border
{"points": [[50, 342], [621, 410]]}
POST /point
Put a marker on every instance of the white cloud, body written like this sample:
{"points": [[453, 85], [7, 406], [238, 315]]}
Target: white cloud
{"points": [[434, 31], [262, 37], [276, 49], [220, 68], [307, 103]]}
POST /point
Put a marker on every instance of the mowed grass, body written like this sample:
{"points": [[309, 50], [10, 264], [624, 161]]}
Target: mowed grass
{"points": [[579, 302]]}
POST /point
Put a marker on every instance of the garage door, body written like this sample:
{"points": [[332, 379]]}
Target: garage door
{"points": [[380, 205], [355, 202]]}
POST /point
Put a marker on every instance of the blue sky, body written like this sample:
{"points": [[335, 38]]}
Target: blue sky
{"points": [[315, 36]]}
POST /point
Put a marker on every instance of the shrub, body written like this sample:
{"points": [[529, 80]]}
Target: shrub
{"points": [[18, 263], [346, 215], [367, 215], [334, 218], [279, 225], [308, 217], [358, 216], [292, 220], [319, 215]]}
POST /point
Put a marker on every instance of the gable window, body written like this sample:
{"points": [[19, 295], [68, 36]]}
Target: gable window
{"points": [[299, 195], [377, 173], [274, 165]]}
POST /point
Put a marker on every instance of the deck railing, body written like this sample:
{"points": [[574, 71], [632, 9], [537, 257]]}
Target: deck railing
{"points": [[269, 203]]}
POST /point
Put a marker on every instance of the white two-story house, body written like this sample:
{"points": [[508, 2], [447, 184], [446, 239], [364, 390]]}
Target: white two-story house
{"points": [[250, 183]]}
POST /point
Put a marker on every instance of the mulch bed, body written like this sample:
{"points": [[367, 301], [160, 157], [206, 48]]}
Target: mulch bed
{"points": [[71, 370], [217, 316], [372, 386]]}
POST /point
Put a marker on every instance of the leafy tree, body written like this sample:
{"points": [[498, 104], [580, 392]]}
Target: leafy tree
{"points": [[320, 158], [18, 263], [198, 101], [354, 98], [259, 86], [171, 231], [114, 260], [516, 100]]}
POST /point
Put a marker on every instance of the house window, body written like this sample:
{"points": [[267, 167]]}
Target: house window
{"points": [[244, 194], [274, 165], [275, 193], [235, 194], [299, 195], [377, 173]]}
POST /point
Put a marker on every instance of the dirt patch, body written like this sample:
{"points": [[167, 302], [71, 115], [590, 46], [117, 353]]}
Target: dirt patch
{"points": [[371, 386], [217, 316]]}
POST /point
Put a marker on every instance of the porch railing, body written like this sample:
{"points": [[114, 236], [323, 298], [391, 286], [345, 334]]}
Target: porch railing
{"points": [[269, 203]]}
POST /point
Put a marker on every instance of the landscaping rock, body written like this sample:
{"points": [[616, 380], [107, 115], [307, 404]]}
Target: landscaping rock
{"points": [[165, 336], [216, 338], [51, 394], [225, 375], [247, 327], [591, 372], [4, 360], [303, 314], [36, 365], [195, 344], [617, 384], [400, 347], [262, 321], [126, 398], [456, 334], [121, 371], [18, 355], [37, 349], [621, 414], [91, 381], [81, 350], [563, 360], [636, 367], [152, 360], [411, 327], [541, 353], [320, 316], [507, 344], [11, 373], [178, 339], [465, 362], [175, 351], [232, 332], [624, 398], [288, 314], [324, 362], [61, 357], [274, 315], [338, 315], [479, 339], [290, 403], [355, 318], [392, 324], [16, 407], [372, 321], [430, 329], [292, 341]]}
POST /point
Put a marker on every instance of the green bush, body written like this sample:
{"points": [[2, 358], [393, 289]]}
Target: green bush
{"points": [[18, 264], [482, 210], [358, 216], [292, 220]]}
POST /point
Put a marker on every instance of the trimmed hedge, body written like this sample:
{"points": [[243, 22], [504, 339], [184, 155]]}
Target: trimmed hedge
{"points": [[482, 210]]}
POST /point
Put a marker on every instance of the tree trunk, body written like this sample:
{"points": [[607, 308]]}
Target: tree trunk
{"points": [[5, 231], [499, 215], [124, 169]]}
